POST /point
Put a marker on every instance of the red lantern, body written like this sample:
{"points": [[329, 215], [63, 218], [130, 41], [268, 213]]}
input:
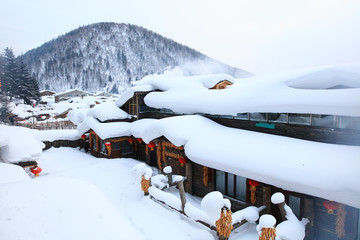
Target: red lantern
{"points": [[83, 136], [131, 140], [36, 171], [253, 184], [330, 206], [139, 140], [151, 145], [107, 144], [182, 161]]}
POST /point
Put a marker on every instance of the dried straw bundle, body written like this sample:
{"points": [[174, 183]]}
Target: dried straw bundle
{"points": [[267, 234], [145, 184], [205, 176], [340, 221], [224, 224]]}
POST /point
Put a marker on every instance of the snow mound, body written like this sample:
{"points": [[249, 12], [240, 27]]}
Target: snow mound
{"points": [[21, 145], [73, 210], [277, 198], [107, 111], [212, 204], [12, 173]]}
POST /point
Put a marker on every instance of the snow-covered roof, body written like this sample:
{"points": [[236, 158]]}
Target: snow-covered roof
{"points": [[105, 130], [107, 111], [20, 145], [318, 169], [58, 134], [129, 93], [71, 91], [333, 90]]}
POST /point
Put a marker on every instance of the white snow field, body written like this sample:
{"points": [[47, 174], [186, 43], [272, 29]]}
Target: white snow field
{"points": [[78, 196]]}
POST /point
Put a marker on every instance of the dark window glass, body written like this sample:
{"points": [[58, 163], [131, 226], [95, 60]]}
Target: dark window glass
{"points": [[294, 204], [241, 188], [349, 122], [277, 117], [102, 147], [230, 185], [258, 117], [323, 121], [302, 119], [94, 143], [116, 146], [242, 116], [220, 181], [126, 147]]}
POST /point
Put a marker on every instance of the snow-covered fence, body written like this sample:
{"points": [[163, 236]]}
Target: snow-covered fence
{"points": [[48, 125], [215, 211]]}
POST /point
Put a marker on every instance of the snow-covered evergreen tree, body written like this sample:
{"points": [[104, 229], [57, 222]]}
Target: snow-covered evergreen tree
{"points": [[9, 85], [28, 88]]}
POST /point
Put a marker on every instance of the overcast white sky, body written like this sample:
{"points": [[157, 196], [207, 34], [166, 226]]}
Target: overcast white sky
{"points": [[260, 36]]}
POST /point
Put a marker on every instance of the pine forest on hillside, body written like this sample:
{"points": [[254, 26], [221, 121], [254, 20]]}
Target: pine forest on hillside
{"points": [[109, 56]]}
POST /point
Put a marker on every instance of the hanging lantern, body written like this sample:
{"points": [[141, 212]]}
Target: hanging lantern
{"points": [[36, 171], [108, 147], [131, 140], [151, 145], [139, 140], [253, 184], [330, 206], [182, 161], [83, 136]]}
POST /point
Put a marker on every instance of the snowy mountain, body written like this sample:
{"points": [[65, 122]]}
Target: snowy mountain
{"points": [[109, 56]]}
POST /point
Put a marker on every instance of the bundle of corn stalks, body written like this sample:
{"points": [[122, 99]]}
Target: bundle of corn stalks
{"points": [[145, 184], [267, 234], [340, 221], [224, 224]]}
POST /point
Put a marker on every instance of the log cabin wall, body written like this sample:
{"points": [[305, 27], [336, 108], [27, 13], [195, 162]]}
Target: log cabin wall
{"points": [[326, 225]]}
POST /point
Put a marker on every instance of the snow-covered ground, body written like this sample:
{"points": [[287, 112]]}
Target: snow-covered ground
{"points": [[79, 196]]}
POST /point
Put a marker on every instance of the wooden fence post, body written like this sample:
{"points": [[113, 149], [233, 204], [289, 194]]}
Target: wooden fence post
{"points": [[182, 195]]}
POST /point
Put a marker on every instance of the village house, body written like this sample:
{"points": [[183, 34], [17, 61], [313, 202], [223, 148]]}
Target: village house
{"points": [[71, 94], [250, 138]]}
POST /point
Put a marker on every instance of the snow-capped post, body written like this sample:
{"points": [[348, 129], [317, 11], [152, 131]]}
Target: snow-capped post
{"points": [[142, 173], [168, 172], [218, 210], [36, 171], [279, 199], [266, 228]]}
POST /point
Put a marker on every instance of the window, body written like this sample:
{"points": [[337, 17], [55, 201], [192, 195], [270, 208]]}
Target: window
{"points": [[94, 142], [102, 147], [126, 147], [231, 185], [301, 119], [277, 117], [294, 204], [116, 146], [242, 116], [323, 120], [349, 122], [258, 117]]}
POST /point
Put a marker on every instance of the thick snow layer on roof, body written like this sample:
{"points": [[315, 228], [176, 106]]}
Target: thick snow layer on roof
{"points": [[72, 90], [105, 130], [138, 126], [107, 111], [324, 170], [12, 173], [333, 90], [21, 145], [129, 93], [54, 135], [77, 116]]}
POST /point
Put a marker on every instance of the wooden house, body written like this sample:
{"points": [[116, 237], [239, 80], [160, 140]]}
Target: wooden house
{"points": [[71, 94], [339, 125]]}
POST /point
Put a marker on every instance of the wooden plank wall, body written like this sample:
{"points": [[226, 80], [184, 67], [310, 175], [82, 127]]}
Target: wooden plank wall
{"points": [[324, 223]]}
